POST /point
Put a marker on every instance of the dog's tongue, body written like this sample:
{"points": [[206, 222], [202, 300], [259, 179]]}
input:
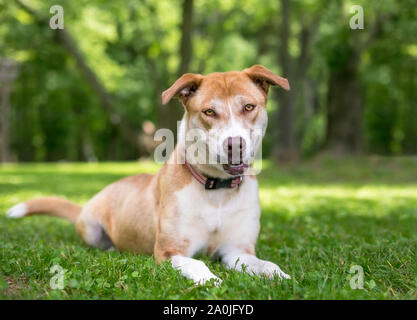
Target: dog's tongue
{"points": [[235, 169]]}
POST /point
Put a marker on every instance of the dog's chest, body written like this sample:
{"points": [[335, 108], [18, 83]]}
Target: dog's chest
{"points": [[214, 210], [215, 215]]}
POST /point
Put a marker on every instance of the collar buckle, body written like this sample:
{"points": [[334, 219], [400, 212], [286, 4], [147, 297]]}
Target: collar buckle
{"points": [[214, 183], [211, 183]]}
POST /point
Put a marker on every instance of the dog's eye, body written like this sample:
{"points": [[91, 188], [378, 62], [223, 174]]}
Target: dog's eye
{"points": [[249, 107], [209, 112]]}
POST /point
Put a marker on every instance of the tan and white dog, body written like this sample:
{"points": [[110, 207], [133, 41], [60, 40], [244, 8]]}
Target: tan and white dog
{"points": [[186, 209]]}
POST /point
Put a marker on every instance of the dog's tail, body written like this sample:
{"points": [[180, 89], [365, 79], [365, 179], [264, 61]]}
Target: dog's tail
{"points": [[49, 206]]}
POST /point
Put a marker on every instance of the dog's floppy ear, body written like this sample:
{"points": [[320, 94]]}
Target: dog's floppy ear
{"points": [[264, 77], [186, 85]]}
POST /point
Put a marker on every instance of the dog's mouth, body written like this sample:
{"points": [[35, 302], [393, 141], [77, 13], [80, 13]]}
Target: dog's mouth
{"points": [[235, 169]]}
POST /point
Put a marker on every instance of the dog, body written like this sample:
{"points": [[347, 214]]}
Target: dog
{"points": [[188, 208]]}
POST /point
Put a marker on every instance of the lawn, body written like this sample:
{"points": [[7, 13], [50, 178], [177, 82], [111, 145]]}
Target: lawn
{"points": [[319, 218]]}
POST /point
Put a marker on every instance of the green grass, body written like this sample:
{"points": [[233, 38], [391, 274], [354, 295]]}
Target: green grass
{"points": [[318, 219]]}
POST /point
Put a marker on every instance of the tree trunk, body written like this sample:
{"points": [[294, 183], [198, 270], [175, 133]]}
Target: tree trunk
{"points": [[174, 110], [286, 146], [344, 132], [5, 108], [344, 113], [344, 102], [186, 48]]}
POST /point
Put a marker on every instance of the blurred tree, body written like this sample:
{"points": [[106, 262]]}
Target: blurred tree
{"points": [[8, 72], [390, 119], [295, 68], [345, 98], [286, 115], [63, 37], [185, 53]]}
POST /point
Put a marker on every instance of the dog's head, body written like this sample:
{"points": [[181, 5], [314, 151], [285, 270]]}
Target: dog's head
{"points": [[227, 112]]}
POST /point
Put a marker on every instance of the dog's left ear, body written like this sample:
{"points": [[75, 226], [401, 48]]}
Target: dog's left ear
{"points": [[264, 77], [186, 85]]}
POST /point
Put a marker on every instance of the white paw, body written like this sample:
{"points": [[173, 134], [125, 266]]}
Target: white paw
{"points": [[199, 273], [271, 269], [267, 268], [194, 269], [17, 211]]}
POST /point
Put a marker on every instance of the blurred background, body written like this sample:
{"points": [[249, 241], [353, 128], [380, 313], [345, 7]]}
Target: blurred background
{"points": [[91, 92]]}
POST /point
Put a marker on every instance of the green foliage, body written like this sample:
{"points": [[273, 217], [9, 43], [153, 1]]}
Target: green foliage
{"points": [[318, 219], [134, 50]]}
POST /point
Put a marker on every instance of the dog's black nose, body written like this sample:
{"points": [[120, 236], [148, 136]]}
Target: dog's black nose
{"points": [[234, 147]]}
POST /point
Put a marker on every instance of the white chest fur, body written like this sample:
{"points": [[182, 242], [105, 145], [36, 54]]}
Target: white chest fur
{"points": [[212, 218]]}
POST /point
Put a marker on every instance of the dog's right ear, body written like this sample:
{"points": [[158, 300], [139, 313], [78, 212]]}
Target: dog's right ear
{"points": [[264, 77], [186, 85]]}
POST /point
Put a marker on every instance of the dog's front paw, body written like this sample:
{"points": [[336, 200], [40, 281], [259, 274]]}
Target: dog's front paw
{"points": [[202, 275], [195, 270], [270, 270]]}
